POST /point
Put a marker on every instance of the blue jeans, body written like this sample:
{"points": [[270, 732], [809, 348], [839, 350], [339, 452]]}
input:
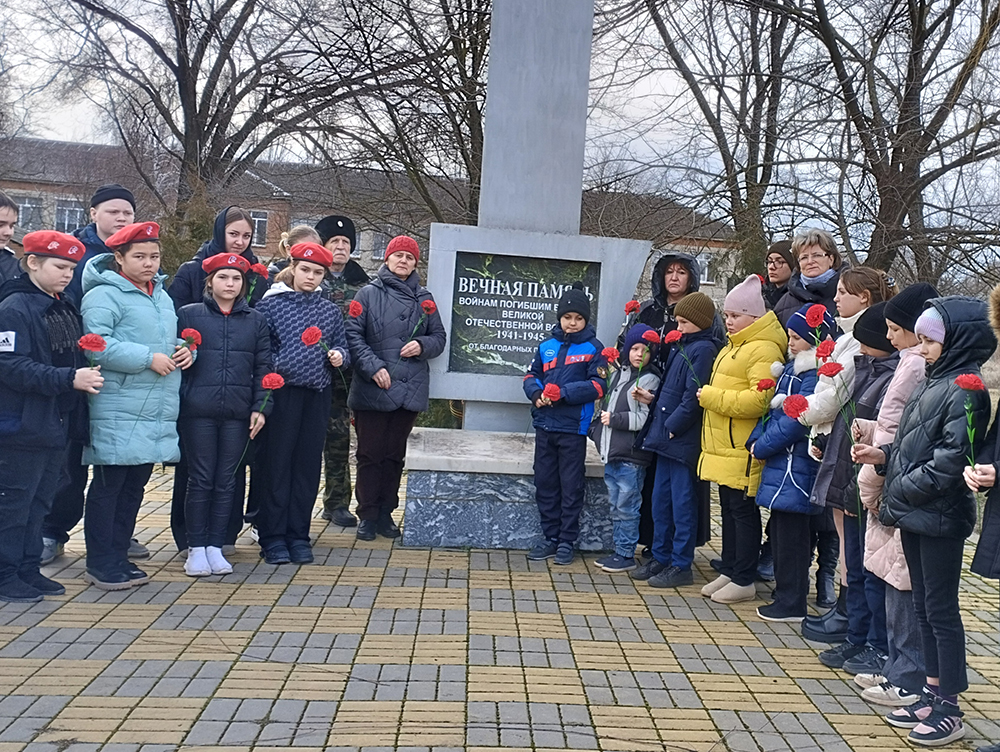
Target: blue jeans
{"points": [[624, 481], [675, 513]]}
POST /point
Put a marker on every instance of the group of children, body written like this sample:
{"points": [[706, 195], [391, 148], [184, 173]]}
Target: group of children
{"points": [[877, 414]]}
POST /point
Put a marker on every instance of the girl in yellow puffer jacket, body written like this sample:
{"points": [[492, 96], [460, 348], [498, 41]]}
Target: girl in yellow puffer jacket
{"points": [[733, 404]]}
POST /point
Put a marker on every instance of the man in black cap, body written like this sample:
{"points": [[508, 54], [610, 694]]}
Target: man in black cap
{"points": [[346, 277]]}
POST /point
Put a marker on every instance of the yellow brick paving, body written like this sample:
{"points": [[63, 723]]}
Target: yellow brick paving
{"points": [[378, 647]]}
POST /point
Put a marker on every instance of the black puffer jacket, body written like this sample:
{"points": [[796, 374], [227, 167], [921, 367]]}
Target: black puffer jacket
{"points": [[390, 312], [798, 295], [924, 492], [234, 355]]}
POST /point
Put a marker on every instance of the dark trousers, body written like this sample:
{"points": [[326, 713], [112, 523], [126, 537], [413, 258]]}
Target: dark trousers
{"points": [[296, 430], [740, 535], [29, 480], [935, 566], [791, 548], [67, 507], [865, 591], [214, 448], [381, 454], [647, 525], [905, 667], [113, 503], [337, 451], [178, 499], [559, 483], [675, 513]]}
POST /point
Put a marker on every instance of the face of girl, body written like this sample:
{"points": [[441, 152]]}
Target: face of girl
{"points": [[685, 327], [572, 322], [141, 262], [796, 344], [50, 275], [307, 276], [929, 349], [238, 236], [900, 338], [737, 322], [849, 304], [638, 355], [226, 285], [778, 270], [401, 263], [813, 261], [8, 220]]}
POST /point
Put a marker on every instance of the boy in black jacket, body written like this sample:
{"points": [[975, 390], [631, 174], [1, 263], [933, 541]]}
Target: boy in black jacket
{"points": [[41, 374], [562, 383]]}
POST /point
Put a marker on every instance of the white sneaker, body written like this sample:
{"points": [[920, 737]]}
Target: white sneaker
{"points": [[197, 563], [733, 593], [254, 535], [217, 562], [890, 695], [868, 680], [717, 584]]}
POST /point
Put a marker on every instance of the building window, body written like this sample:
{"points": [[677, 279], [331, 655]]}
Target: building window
{"points": [[259, 228], [380, 241], [705, 262], [29, 212], [70, 215]]}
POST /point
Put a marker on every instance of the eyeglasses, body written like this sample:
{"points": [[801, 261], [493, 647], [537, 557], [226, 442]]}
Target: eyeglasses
{"points": [[813, 257], [777, 262]]}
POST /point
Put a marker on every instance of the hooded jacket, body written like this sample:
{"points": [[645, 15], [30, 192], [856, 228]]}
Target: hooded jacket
{"points": [[234, 355], [38, 360], [733, 405], [188, 285], [390, 312], [798, 295], [924, 491], [133, 421], [616, 442], [986, 562], [94, 247], [572, 362], [674, 430]]}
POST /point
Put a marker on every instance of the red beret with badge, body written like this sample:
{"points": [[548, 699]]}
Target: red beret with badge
{"points": [[225, 261], [140, 232], [312, 252], [53, 244]]}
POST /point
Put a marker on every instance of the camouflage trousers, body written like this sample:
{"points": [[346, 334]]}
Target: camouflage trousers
{"points": [[337, 451]]}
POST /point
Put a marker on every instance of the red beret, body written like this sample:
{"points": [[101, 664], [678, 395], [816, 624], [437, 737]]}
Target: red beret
{"points": [[54, 244], [140, 232], [225, 261], [313, 252], [403, 243]]}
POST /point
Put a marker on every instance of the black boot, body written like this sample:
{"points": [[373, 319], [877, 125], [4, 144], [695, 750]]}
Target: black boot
{"points": [[828, 551], [826, 594], [831, 627]]}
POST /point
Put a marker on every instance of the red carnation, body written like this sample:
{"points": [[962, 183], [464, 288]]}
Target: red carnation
{"points": [[259, 269], [673, 336], [825, 349], [610, 354], [552, 392], [632, 306], [355, 309], [763, 281], [651, 337], [795, 404], [311, 336], [92, 343], [428, 306], [272, 381], [764, 384], [815, 315], [192, 338], [830, 369], [970, 382]]}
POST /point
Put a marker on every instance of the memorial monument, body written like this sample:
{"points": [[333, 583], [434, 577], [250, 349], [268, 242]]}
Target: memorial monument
{"points": [[497, 286]]}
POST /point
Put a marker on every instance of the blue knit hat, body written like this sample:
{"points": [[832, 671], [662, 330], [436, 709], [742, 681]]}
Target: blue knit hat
{"points": [[797, 323], [634, 337]]}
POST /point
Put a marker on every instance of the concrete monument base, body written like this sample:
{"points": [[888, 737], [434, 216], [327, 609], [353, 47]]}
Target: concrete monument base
{"points": [[475, 489]]}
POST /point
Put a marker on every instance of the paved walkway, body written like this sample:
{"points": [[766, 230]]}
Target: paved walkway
{"points": [[377, 647]]}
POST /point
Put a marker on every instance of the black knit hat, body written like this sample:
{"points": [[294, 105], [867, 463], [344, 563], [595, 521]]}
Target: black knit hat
{"points": [[905, 308], [784, 249], [334, 225], [870, 329], [112, 191], [574, 300]]}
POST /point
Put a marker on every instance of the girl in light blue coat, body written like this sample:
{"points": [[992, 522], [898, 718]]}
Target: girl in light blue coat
{"points": [[133, 422]]}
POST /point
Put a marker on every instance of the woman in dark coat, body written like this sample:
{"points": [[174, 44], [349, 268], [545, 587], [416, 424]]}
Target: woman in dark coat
{"points": [[222, 406], [815, 280], [395, 331]]}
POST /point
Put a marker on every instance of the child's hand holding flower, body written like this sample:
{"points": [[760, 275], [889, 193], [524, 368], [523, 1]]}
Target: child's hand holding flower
{"points": [[605, 418], [864, 454]]}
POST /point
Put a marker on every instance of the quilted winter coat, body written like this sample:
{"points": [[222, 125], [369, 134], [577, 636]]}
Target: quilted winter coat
{"points": [[924, 491], [733, 405], [133, 421], [832, 392], [390, 312]]}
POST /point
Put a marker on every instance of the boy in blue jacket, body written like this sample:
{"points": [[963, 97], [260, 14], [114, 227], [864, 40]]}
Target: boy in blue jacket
{"points": [[42, 373], [786, 481], [674, 434], [563, 383]]}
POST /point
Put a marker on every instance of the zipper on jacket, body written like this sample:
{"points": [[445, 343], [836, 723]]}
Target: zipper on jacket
{"points": [[731, 439]]}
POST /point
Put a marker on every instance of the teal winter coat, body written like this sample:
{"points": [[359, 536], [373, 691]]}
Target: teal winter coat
{"points": [[133, 421]]}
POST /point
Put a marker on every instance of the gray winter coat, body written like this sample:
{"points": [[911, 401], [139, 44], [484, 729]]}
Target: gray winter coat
{"points": [[390, 311]]}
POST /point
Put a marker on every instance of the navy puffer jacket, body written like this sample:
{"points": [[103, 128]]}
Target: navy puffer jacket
{"points": [[573, 362], [924, 491], [234, 355], [95, 247]]}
